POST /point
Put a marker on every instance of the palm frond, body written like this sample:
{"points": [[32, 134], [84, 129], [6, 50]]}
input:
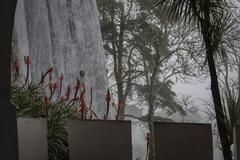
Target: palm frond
{"points": [[191, 11]]}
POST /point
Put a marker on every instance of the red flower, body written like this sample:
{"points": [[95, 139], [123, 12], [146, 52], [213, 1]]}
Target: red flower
{"points": [[83, 108], [77, 98], [61, 77], [148, 137], [120, 104], [83, 85], [50, 86], [68, 93], [27, 60], [46, 102], [92, 89], [55, 85], [16, 65], [50, 70], [62, 99], [78, 85], [108, 96]]}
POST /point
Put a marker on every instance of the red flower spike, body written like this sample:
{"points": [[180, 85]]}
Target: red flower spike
{"points": [[27, 60], [78, 86], [46, 102], [62, 99], [148, 137], [83, 109], [55, 85], [92, 89], [50, 86], [77, 99], [120, 104], [83, 85], [61, 77], [50, 76], [68, 93], [16, 65], [108, 96], [50, 70]]}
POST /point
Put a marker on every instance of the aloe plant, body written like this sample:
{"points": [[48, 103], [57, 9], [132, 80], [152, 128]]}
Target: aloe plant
{"points": [[44, 100]]}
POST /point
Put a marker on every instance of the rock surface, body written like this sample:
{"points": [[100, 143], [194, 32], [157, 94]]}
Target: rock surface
{"points": [[64, 34]]}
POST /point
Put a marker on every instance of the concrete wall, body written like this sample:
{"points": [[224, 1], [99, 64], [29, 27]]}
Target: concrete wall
{"points": [[100, 140], [181, 141], [32, 139]]}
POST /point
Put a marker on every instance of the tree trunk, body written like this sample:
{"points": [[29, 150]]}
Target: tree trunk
{"points": [[219, 109], [151, 100], [207, 37], [119, 79], [8, 126], [151, 130]]}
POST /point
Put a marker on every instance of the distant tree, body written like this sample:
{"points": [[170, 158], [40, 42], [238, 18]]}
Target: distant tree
{"points": [[151, 42], [145, 54], [128, 24], [114, 16]]}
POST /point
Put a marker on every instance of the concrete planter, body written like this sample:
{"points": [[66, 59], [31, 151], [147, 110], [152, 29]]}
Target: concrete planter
{"points": [[100, 140], [32, 139], [183, 141]]}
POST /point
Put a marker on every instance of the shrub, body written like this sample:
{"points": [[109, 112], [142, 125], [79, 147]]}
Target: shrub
{"points": [[45, 99]]}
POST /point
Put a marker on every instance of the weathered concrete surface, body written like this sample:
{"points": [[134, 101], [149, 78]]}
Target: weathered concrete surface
{"points": [[100, 140], [183, 141], [64, 34], [32, 139]]}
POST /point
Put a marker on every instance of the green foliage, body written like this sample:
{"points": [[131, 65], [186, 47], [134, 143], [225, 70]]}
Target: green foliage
{"points": [[143, 48], [231, 104], [192, 10], [40, 101], [29, 102], [57, 131], [198, 12], [211, 17], [46, 100], [165, 98], [231, 110]]}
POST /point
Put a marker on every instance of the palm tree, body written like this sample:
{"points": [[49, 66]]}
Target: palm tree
{"points": [[8, 134], [208, 15]]}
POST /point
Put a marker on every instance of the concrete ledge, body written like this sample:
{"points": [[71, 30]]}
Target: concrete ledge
{"points": [[183, 141], [32, 139], [100, 140]]}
